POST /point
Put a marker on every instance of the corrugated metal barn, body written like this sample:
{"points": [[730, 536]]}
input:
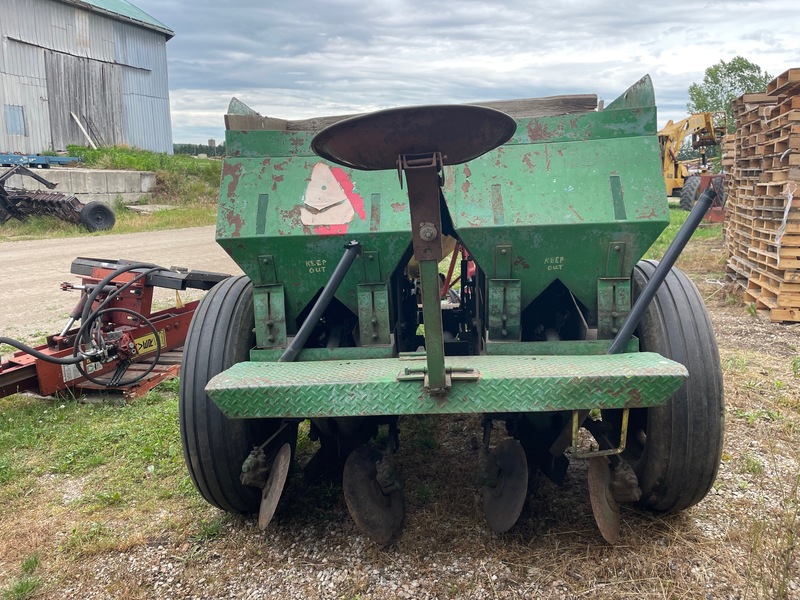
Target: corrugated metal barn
{"points": [[103, 61]]}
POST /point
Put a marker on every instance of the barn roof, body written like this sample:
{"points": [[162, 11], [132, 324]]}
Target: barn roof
{"points": [[123, 11]]}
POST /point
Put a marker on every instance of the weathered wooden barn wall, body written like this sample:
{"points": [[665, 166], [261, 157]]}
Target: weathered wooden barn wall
{"points": [[89, 89], [57, 58]]}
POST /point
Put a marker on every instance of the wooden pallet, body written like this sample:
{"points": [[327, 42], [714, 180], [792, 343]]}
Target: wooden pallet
{"points": [[785, 83], [764, 171]]}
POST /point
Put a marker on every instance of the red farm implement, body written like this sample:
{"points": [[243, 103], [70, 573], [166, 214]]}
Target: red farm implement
{"points": [[120, 343]]}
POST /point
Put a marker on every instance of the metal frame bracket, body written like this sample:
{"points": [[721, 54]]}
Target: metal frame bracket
{"points": [[504, 299], [613, 304], [266, 270], [270, 313], [576, 423], [373, 314]]}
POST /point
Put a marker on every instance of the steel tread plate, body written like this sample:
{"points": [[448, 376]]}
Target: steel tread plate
{"points": [[506, 384]]}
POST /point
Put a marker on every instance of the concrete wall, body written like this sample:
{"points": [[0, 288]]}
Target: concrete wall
{"points": [[91, 184]]}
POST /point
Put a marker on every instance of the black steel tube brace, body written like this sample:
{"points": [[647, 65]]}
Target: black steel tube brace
{"points": [[667, 262], [352, 249]]}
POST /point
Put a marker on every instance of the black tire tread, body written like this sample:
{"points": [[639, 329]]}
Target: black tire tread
{"points": [[96, 216], [719, 187], [220, 335], [684, 436], [689, 192]]}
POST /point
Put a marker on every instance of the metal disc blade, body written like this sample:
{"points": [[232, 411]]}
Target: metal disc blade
{"points": [[377, 515], [503, 504], [274, 488], [604, 507]]}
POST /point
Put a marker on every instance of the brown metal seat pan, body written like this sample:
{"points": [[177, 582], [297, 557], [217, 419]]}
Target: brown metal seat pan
{"points": [[373, 142]]}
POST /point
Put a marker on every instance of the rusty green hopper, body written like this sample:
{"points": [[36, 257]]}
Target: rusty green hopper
{"points": [[555, 220], [348, 319]]}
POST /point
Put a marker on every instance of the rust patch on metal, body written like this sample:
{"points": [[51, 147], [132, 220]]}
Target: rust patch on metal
{"points": [[375, 212], [526, 160], [634, 397], [498, 209], [546, 159], [466, 185], [235, 221], [499, 162], [234, 170], [398, 207], [521, 262], [575, 212], [648, 216], [281, 165], [537, 131], [276, 179], [292, 217], [264, 166]]}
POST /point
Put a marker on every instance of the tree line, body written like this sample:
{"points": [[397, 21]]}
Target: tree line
{"points": [[195, 149]]}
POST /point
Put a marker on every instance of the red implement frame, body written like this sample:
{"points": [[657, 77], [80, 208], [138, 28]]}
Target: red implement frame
{"points": [[716, 214], [23, 372]]}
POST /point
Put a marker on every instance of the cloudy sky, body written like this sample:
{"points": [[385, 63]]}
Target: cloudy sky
{"points": [[302, 58]]}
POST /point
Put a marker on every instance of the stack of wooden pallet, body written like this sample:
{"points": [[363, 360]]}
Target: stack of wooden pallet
{"points": [[762, 227]]}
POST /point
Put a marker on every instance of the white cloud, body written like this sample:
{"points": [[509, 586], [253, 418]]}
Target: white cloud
{"points": [[310, 57]]}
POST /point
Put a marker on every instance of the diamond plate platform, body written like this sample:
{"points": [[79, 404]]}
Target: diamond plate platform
{"points": [[344, 388]]}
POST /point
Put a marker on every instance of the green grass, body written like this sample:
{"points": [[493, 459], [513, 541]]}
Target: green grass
{"points": [[124, 455], [677, 217], [27, 584], [188, 185], [35, 228], [131, 159], [211, 528]]}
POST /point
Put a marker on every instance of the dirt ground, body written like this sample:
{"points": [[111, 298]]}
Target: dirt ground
{"points": [[31, 303], [740, 542]]}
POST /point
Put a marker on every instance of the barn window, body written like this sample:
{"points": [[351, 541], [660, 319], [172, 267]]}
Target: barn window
{"points": [[15, 120]]}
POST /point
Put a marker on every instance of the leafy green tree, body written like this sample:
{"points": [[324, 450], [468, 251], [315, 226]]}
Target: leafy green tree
{"points": [[723, 83]]}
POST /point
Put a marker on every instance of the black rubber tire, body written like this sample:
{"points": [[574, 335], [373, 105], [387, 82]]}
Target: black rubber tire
{"points": [[689, 192], [675, 449], [719, 187], [221, 334], [96, 216]]}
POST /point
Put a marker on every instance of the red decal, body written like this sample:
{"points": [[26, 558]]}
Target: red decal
{"points": [[331, 229], [347, 187]]}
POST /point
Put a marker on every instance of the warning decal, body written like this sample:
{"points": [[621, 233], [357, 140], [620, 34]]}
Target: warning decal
{"points": [[147, 343], [330, 201]]}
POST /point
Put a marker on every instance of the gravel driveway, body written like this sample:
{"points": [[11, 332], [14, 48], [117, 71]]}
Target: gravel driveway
{"points": [[31, 303]]}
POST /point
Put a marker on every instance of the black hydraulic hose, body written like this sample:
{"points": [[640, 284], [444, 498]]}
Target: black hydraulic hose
{"points": [[352, 249], [152, 365], [662, 270], [105, 281], [67, 360], [117, 291], [88, 317]]}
